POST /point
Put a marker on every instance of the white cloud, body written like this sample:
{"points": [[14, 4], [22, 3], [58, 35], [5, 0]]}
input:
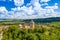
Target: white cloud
{"points": [[19, 2], [3, 12], [41, 13], [27, 12], [3, 9], [50, 9], [44, 0]]}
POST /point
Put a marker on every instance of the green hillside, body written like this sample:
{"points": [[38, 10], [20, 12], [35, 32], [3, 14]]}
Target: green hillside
{"points": [[42, 33]]}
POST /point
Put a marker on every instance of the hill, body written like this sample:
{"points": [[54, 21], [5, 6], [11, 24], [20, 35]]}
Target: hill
{"points": [[52, 19]]}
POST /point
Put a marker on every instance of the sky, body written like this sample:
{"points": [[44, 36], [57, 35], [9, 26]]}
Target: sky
{"points": [[29, 9]]}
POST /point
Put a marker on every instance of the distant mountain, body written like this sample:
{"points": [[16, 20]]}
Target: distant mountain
{"points": [[52, 19]]}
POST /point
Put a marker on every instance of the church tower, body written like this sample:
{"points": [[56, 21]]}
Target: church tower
{"points": [[32, 24]]}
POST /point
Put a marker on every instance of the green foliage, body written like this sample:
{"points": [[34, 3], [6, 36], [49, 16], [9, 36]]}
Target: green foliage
{"points": [[13, 33]]}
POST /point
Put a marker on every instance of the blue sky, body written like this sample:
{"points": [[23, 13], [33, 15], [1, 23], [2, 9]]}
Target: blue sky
{"points": [[25, 9]]}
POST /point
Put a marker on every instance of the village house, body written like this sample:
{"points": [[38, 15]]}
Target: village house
{"points": [[30, 24], [20, 26], [24, 25], [38, 25]]}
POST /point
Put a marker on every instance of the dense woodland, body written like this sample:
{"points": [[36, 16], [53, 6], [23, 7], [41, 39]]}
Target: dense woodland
{"points": [[42, 33]]}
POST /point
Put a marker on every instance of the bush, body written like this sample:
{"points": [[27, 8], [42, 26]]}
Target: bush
{"points": [[13, 33]]}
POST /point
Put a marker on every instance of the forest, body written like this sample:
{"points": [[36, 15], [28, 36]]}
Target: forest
{"points": [[42, 33]]}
